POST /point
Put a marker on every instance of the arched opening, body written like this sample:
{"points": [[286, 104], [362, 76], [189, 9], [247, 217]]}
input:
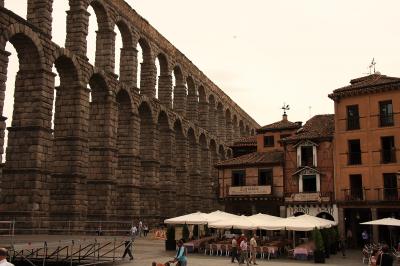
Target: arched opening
{"points": [[192, 101], [236, 130], [241, 128], [167, 171], [212, 119], [181, 175], [180, 92], [125, 55], [164, 81], [325, 215], [221, 153], [229, 154], [91, 37], [203, 108], [206, 183], [221, 122], [247, 130], [252, 131], [298, 214], [59, 17], [228, 127], [147, 69], [149, 165], [194, 173]]}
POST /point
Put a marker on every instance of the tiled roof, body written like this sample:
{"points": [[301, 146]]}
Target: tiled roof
{"points": [[255, 158], [248, 141], [367, 84], [319, 126], [280, 125]]}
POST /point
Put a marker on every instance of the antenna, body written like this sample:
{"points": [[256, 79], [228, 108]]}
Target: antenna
{"points": [[285, 108], [372, 65]]}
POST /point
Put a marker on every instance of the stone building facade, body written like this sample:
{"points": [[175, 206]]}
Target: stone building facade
{"points": [[116, 151]]}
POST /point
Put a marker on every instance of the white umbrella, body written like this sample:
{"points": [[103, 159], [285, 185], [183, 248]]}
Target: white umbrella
{"points": [[220, 215], [267, 222], [239, 222], [192, 218], [306, 223], [384, 221]]}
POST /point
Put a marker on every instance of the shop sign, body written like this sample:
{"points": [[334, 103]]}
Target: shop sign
{"points": [[304, 197], [249, 190]]}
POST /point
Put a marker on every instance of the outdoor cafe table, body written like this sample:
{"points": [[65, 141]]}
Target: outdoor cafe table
{"points": [[193, 245], [304, 250]]}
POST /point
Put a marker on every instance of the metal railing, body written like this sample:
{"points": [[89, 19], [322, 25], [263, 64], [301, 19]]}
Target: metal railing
{"points": [[388, 194], [355, 194], [386, 120], [353, 123], [354, 158], [388, 156]]}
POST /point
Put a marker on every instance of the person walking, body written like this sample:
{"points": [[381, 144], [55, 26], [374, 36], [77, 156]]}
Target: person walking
{"points": [[342, 246], [234, 252], [349, 238], [365, 237], [253, 249], [133, 230], [3, 257], [128, 247], [180, 255], [244, 255]]}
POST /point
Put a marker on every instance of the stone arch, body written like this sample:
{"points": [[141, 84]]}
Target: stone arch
{"points": [[206, 184], [181, 167], [236, 130], [102, 150], [241, 128], [221, 152], [180, 92], [70, 124], [194, 173], [228, 126], [247, 131], [149, 170], [148, 70], [29, 126], [229, 153], [212, 119], [252, 132], [128, 54], [164, 81], [167, 171], [221, 122], [203, 108], [192, 100]]}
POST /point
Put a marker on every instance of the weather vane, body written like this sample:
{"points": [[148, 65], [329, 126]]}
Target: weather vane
{"points": [[372, 66], [285, 108]]}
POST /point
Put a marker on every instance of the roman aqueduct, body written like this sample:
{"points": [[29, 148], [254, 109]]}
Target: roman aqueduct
{"points": [[116, 151]]}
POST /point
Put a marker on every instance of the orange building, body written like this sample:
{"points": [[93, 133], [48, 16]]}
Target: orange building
{"points": [[309, 169], [252, 182], [366, 155]]}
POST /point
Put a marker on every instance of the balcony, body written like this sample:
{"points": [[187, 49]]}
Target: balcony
{"points": [[388, 194], [325, 196], [388, 156], [386, 120], [355, 194], [354, 158]]}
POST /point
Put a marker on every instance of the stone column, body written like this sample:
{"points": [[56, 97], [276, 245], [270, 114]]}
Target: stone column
{"points": [[105, 50], [180, 97], [40, 14], [205, 184], [236, 132], [229, 132], [165, 90], [128, 66], [375, 229], [221, 125], [203, 115], [148, 73], [181, 176], [194, 176], [192, 109], [212, 120], [77, 30]]}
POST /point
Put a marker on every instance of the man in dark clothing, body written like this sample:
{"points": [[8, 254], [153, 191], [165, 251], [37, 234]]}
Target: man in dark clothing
{"points": [[385, 259], [128, 246], [235, 250]]}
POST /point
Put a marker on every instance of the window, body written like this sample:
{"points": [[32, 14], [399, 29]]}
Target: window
{"points": [[265, 177], [390, 190], [386, 114], [238, 178], [268, 141], [353, 117], [307, 157], [309, 183], [388, 151], [356, 190], [354, 152]]}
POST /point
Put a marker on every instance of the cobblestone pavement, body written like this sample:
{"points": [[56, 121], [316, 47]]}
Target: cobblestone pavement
{"points": [[148, 250]]}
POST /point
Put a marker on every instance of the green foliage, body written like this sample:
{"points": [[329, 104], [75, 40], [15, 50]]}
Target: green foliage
{"points": [[185, 232], [170, 233], [326, 237], [206, 230], [319, 242]]}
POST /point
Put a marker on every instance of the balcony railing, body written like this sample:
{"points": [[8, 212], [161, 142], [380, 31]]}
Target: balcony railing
{"points": [[324, 196], [386, 120], [275, 191], [355, 194], [388, 194], [354, 158], [388, 156], [353, 123]]}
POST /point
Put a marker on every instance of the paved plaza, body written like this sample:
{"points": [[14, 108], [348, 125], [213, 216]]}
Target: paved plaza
{"points": [[148, 250]]}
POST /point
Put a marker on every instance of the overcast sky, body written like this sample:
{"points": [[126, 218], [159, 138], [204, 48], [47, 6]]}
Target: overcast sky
{"points": [[263, 53]]}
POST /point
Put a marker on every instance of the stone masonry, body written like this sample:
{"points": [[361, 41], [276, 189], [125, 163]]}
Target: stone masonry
{"points": [[116, 151]]}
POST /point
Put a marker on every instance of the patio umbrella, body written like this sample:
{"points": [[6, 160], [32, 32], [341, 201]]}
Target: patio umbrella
{"points": [[385, 221], [192, 218], [239, 222], [306, 223], [267, 222]]}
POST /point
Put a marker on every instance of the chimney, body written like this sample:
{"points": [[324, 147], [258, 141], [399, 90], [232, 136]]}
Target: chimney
{"points": [[284, 117]]}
